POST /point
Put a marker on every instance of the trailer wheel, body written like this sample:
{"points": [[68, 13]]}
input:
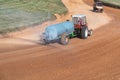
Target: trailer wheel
{"points": [[64, 39], [84, 33]]}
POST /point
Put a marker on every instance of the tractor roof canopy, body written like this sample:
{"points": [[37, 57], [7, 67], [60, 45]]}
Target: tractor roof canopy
{"points": [[79, 16]]}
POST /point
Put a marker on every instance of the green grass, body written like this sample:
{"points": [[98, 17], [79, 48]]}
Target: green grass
{"points": [[115, 2], [17, 14]]}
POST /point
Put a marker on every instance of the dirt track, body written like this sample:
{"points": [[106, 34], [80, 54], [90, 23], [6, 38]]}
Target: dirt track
{"points": [[96, 58]]}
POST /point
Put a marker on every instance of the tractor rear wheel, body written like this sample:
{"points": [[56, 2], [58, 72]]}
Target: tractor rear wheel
{"points": [[84, 33], [64, 39]]}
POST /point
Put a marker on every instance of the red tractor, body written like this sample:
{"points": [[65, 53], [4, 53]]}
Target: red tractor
{"points": [[80, 27]]}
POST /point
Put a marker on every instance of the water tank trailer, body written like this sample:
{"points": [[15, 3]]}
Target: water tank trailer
{"points": [[68, 29]]}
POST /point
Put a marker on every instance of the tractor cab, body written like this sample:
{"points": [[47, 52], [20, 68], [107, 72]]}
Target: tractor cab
{"points": [[79, 21]]}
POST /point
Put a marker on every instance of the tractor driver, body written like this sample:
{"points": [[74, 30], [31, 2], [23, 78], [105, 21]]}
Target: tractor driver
{"points": [[80, 22]]}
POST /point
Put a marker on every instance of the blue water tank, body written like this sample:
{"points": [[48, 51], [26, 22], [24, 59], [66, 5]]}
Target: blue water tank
{"points": [[53, 32]]}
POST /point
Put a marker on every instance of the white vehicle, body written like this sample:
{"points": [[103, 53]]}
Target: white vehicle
{"points": [[98, 6]]}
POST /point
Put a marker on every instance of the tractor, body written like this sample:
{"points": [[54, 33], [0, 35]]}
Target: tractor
{"points": [[80, 27]]}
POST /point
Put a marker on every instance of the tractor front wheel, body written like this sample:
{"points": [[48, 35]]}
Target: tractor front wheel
{"points": [[84, 33], [90, 32], [64, 39]]}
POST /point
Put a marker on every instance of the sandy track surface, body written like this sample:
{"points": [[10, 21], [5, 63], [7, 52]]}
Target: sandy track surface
{"points": [[96, 58]]}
